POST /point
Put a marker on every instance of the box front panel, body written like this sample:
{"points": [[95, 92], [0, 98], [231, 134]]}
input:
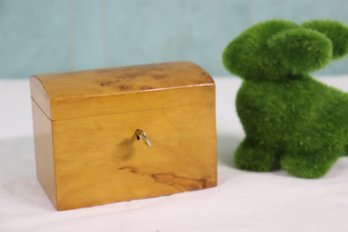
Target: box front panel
{"points": [[99, 160]]}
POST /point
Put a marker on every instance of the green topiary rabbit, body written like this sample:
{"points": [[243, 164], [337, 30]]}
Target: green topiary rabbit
{"points": [[291, 121]]}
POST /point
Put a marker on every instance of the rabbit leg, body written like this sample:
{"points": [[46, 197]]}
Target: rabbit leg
{"points": [[310, 162], [255, 156]]}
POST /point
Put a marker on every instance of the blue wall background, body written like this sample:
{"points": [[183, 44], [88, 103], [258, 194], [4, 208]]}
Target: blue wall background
{"points": [[41, 36]]}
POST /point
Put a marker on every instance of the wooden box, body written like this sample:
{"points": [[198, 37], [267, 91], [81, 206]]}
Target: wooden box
{"points": [[89, 133]]}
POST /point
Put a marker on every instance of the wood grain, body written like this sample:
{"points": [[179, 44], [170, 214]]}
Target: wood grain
{"points": [[45, 168], [89, 93], [97, 158]]}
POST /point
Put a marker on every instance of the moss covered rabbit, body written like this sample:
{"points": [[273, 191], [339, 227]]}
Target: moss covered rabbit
{"points": [[291, 121]]}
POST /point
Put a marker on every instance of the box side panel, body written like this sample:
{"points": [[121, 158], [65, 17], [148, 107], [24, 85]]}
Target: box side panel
{"points": [[99, 160], [44, 152]]}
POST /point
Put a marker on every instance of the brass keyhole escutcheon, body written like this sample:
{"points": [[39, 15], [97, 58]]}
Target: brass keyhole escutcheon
{"points": [[140, 134]]}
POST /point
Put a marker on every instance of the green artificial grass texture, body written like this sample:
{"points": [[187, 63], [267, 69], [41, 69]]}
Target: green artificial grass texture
{"points": [[291, 121]]}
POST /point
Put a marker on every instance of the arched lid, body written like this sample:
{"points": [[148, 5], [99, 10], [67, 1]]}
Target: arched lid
{"points": [[55, 93]]}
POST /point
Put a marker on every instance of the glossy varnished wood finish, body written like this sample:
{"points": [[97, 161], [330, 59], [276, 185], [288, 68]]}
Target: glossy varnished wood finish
{"points": [[45, 169], [104, 91], [97, 158]]}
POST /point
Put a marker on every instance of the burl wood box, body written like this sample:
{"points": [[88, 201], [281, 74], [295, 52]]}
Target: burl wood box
{"points": [[125, 133]]}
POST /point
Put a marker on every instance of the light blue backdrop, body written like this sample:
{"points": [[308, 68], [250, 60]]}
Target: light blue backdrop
{"points": [[41, 36]]}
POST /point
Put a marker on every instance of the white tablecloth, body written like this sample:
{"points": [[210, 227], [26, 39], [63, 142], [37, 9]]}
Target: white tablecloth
{"points": [[242, 201]]}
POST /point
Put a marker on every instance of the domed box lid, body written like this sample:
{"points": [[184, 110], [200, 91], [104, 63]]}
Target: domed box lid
{"points": [[117, 90]]}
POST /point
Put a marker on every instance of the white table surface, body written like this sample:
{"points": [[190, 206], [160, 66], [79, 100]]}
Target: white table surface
{"points": [[242, 201]]}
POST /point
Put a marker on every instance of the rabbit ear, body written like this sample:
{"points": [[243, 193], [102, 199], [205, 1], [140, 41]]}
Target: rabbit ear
{"points": [[337, 32], [247, 55], [301, 50]]}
